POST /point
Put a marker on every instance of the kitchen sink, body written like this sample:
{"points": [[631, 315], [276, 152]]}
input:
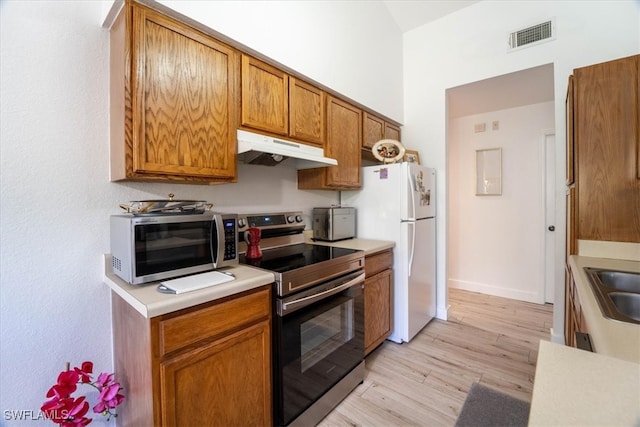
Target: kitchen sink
{"points": [[620, 280], [617, 293], [627, 303]]}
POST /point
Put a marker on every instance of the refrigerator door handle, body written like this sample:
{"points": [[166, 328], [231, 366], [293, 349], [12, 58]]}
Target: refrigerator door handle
{"points": [[413, 246], [410, 184]]}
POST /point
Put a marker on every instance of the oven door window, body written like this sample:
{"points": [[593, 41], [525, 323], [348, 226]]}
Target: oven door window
{"points": [[318, 346], [172, 246], [326, 333]]}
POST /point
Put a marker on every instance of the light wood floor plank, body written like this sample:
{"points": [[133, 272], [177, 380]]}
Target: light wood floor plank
{"points": [[488, 339]]}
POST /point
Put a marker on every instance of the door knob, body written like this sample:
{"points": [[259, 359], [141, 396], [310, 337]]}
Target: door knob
{"points": [[552, 228]]}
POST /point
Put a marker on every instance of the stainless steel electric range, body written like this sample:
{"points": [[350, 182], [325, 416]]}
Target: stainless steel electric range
{"points": [[318, 330]]}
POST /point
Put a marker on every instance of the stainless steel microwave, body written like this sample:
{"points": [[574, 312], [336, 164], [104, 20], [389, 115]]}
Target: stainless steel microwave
{"points": [[157, 247]]}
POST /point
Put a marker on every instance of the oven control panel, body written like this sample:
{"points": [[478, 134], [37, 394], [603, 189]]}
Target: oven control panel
{"points": [[269, 221]]}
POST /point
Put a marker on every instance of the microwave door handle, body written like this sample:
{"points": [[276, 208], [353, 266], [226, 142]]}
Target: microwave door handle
{"points": [[218, 256], [315, 297]]}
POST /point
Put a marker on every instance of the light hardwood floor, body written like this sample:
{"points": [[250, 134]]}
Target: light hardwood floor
{"points": [[487, 339]]}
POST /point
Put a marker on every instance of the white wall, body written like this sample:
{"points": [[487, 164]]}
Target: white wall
{"points": [[56, 196], [495, 242], [470, 45], [353, 47]]}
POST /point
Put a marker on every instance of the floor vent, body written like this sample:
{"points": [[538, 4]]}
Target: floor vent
{"points": [[533, 35]]}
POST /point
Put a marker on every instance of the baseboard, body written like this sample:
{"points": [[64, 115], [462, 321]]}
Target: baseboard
{"points": [[555, 338], [442, 312], [497, 291]]}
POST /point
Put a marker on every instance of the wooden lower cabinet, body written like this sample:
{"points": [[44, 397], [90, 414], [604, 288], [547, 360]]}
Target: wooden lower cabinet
{"points": [[574, 320], [378, 299], [206, 365]]}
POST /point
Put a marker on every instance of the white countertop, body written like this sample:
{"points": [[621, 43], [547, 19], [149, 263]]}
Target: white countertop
{"points": [[367, 245], [574, 387], [608, 337], [149, 302]]}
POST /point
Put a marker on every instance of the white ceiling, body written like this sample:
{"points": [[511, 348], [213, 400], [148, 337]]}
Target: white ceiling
{"points": [[526, 87], [410, 14]]}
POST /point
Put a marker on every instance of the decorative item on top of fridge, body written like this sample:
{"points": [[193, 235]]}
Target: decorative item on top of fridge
{"points": [[388, 151]]}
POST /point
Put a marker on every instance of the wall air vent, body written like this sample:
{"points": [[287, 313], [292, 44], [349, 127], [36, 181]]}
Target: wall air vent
{"points": [[532, 35]]}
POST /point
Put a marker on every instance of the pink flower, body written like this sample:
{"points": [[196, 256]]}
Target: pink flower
{"points": [[103, 380], [109, 397], [66, 385], [85, 372], [77, 408], [67, 411]]}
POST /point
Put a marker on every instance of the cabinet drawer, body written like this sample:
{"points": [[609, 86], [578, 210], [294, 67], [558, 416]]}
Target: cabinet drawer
{"points": [[185, 329], [378, 262]]}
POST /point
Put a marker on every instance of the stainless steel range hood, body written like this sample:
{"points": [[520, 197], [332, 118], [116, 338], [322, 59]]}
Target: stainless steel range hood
{"points": [[265, 150]]}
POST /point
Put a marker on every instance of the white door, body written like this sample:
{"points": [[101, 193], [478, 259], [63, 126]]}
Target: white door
{"points": [[550, 210]]}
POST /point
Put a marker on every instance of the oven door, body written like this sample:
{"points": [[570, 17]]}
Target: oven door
{"points": [[318, 339]]}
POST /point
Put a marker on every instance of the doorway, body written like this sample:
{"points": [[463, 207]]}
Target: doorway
{"points": [[498, 245]]}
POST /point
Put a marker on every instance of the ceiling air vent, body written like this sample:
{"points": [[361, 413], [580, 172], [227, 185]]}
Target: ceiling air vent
{"points": [[532, 35]]}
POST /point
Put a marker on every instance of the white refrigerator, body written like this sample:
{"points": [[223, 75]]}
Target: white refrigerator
{"points": [[397, 203]]}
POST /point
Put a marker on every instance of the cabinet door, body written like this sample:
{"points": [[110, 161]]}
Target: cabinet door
{"points": [[265, 100], [569, 313], [571, 149], [606, 136], [373, 130], [377, 309], [306, 112], [344, 136], [570, 232], [184, 92], [391, 132], [225, 383]]}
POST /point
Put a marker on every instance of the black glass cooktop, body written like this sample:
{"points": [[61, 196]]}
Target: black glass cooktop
{"points": [[291, 257]]}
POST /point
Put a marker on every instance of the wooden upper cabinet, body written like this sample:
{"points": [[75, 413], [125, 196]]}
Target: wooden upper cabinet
{"points": [[571, 148], [265, 97], [179, 89], [375, 128], [372, 130], [344, 138], [280, 104], [306, 112], [606, 116], [391, 131]]}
